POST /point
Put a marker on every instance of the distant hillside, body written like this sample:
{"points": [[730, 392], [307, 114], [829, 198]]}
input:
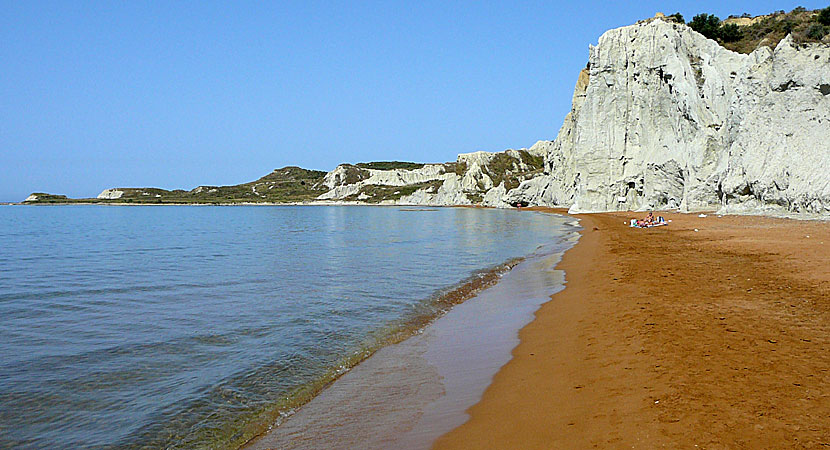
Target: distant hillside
{"points": [[463, 182], [42, 197], [289, 184]]}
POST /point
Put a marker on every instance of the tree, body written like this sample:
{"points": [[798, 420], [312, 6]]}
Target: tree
{"points": [[824, 16], [706, 24], [730, 33], [677, 17]]}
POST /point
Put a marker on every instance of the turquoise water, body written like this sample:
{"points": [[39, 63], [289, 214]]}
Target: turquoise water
{"points": [[197, 327]]}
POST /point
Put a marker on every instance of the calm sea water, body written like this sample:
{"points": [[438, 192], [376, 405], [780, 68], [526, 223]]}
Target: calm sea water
{"points": [[196, 327]]}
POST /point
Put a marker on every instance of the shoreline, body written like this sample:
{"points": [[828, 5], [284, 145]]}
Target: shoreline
{"points": [[435, 373], [768, 213], [445, 299], [711, 332]]}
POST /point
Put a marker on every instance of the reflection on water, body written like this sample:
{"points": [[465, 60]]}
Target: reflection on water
{"points": [[196, 327]]}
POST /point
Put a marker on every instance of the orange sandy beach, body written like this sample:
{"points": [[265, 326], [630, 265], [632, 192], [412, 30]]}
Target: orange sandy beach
{"points": [[671, 337]]}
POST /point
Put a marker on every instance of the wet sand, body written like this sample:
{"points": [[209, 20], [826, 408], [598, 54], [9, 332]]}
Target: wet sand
{"points": [[671, 337]]}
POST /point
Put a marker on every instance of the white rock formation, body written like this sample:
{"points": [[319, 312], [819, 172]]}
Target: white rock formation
{"points": [[346, 180], [477, 171], [780, 156], [31, 198], [476, 176], [448, 194], [110, 194], [663, 117], [495, 197]]}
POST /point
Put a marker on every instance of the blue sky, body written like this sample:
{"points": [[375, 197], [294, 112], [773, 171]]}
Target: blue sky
{"points": [[176, 94]]}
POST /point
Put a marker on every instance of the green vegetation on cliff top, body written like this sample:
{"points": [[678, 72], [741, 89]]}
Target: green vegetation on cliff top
{"points": [[390, 165], [804, 25]]}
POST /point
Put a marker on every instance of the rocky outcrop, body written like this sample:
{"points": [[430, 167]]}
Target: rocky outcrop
{"points": [[448, 193], [663, 117], [474, 178], [110, 194], [347, 180], [42, 197]]}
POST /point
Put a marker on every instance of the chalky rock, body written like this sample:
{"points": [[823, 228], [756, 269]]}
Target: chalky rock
{"points": [[663, 117], [111, 194]]}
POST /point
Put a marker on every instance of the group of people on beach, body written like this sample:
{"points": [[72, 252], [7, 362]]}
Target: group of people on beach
{"points": [[648, 221]]}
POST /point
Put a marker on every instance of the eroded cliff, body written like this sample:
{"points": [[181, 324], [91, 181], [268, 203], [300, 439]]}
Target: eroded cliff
{"points": [[663, 117]]}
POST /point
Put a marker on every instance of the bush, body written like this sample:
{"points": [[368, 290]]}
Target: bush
{"points": [[706, 24], [677, 17], [816, 32], [824, 16]]}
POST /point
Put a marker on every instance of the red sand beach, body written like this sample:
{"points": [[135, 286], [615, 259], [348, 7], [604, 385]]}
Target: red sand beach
{"points": [[672, 337]]}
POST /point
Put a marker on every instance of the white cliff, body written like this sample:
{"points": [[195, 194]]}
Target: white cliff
{"points": [[111, 194], [663, 117], [347, 180], [449, 193], [466, 181], [780, 156]]}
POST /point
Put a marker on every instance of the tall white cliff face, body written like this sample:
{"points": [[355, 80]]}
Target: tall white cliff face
{"points": [[663, 117]]}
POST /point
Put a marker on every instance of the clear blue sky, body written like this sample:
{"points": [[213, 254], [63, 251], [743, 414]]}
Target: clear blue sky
{"points": [[176, 94]]}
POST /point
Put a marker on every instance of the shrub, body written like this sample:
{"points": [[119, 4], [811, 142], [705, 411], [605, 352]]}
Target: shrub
{"points": [[706, 24], [824, 16], [816, 32]]}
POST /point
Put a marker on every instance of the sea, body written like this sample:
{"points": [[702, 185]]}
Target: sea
{"points": [[204, 327]]}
